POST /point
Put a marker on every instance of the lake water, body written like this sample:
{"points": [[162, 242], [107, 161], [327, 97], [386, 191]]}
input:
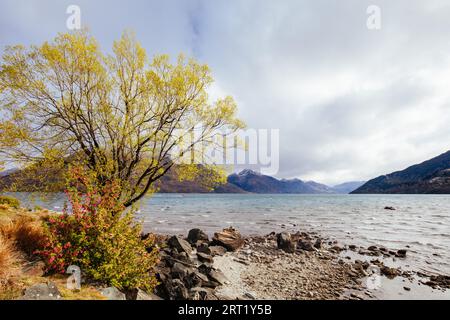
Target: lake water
{"points": [[421, 222]]}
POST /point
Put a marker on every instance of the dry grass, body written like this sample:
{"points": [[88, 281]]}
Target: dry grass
{"points": [[21, 233], [9, 261], [26, 233]]}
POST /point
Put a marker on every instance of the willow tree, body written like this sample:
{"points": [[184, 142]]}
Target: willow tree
{"points": [[120, 115]]}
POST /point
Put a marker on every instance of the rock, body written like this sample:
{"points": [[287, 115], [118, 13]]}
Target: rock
{"points": [[285, 243], [229, 238], [180, 271], [390, 273], [217, 250], [42, 291], [241, 261], [197, 279], [217, 276], [204, 248], [142, 295], [195, 235], [184, 257], [198, 293], [112, 293], [318, 244], [205, 269], [441, 281], [389, 208], [163, 288], [180, 244], [177, 290], [355, 296], [372, 248], [407, 288], [305, 245], [250, 295], [352, 247], [337, 249], [203, 257], [431, 284], [401, 253]]}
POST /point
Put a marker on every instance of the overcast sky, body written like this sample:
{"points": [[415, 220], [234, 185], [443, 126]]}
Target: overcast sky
{"points": [[351, 103]]}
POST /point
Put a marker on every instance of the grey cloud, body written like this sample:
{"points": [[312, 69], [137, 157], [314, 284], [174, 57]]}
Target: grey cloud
{"points": [[350, 103]]}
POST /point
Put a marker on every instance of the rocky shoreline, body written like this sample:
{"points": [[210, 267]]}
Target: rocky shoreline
{"points": [[276, 266]]}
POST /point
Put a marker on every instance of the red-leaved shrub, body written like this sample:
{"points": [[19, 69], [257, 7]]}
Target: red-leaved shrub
{"points": [[100, 237]]}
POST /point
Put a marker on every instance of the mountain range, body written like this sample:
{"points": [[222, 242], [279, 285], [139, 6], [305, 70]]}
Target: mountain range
{"points": [[254, 182], [429, 177], [247, 181]]}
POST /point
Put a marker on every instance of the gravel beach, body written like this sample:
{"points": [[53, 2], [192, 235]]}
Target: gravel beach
{"points": [[286, 266]]}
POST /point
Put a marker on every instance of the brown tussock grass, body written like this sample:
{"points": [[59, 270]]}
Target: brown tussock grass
{"points": [[9, 262], [25, 233]]}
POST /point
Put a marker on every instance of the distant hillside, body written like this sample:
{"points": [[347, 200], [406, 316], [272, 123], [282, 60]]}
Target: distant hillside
{"points": [[247, 181], [254, 182], [432, 176], [348, 187], [52, 181], [320, 188], [170, 183]]}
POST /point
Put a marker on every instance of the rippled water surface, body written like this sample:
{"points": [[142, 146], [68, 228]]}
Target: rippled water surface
{"points": [[421, 222]]}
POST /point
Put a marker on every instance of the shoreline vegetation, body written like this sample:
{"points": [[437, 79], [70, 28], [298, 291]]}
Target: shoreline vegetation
{"points": [[227, 266]]}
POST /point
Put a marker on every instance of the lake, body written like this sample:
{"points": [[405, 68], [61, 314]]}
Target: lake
{"points": [[421, 222]]}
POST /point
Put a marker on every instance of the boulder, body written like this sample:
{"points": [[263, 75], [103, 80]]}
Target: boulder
{"points": [[42, 291], [318, 244], [177, 290], [199, 293], [229, 238], [180, 271], [203, 248], [401, 253], [205, 269], [305, 245], [196, 279], [195, 235], [142, 295], [285, 243], [389, 208], [217, 276], [183, 256], [203, 257], [112, 293], [180, 244], [390, 273], [336, 249], [217, 250]]}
